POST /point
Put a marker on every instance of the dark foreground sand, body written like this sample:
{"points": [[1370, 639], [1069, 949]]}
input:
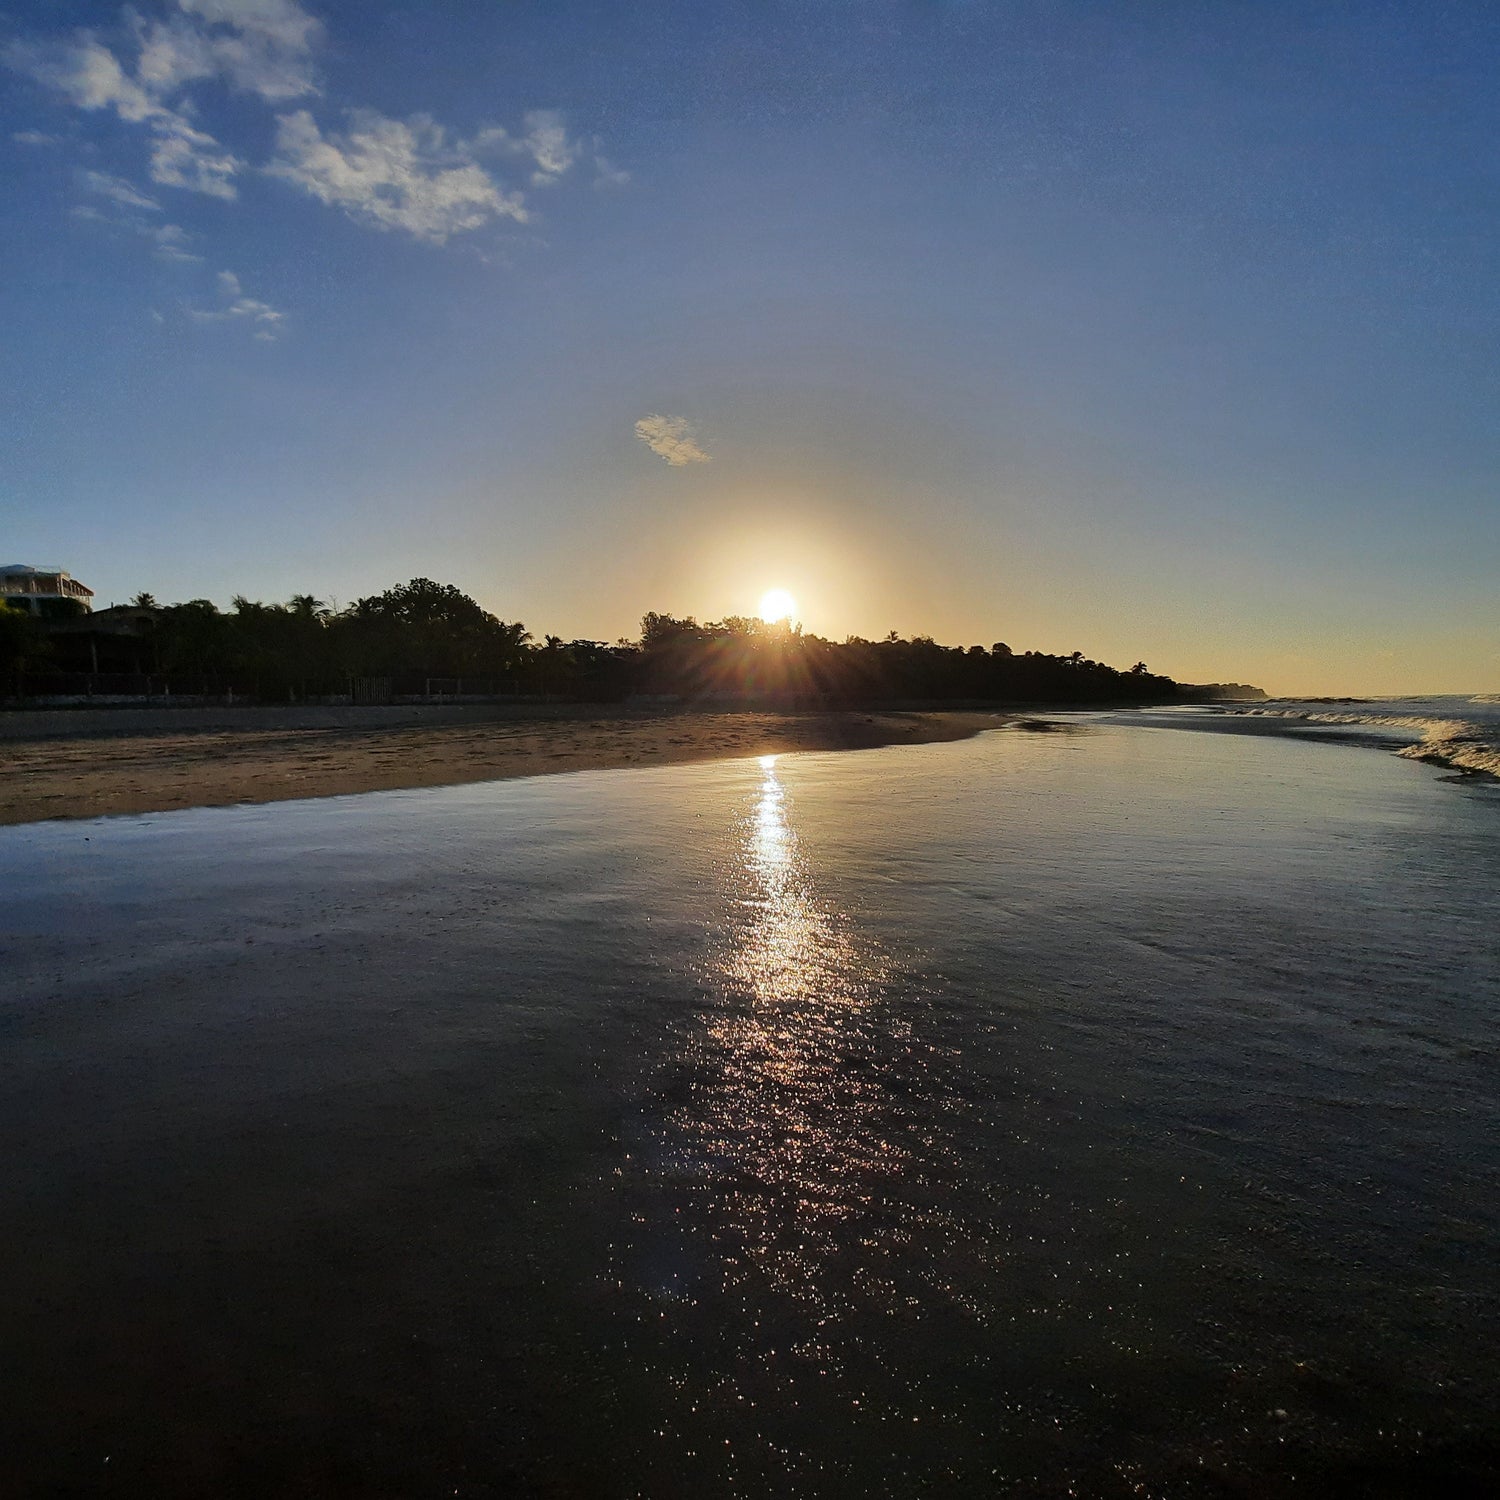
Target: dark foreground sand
{"points": [[92, 763]]}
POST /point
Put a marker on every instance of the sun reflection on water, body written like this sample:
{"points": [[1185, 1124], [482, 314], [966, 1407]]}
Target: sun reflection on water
{"points": [[787, 948], [789, 1119]]}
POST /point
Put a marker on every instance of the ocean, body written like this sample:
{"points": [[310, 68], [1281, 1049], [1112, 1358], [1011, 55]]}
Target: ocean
{"points": [[1102, 1106], [1462, 732]]}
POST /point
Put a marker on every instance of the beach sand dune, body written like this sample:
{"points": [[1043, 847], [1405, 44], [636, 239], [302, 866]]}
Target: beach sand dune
{"points": [[91, 763]]}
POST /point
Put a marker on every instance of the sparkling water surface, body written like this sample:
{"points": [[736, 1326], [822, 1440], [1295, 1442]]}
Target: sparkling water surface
{"points": [[1093, 1110]]}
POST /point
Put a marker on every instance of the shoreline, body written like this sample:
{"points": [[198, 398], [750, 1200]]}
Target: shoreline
{"points": [[163, 765]]}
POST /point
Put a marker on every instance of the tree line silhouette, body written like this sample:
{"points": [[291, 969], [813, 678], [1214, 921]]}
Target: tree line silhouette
{"points": [[420, 632]]}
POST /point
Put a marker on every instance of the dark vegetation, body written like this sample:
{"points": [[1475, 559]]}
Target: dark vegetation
{"points": [[424, 638]]}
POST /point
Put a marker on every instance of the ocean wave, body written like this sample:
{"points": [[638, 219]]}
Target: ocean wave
{"points": [[1463, 752], [1423, 724], [1439, 741]]}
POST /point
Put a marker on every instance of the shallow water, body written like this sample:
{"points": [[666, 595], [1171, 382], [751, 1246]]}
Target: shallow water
{"points": [[1104, 1111]]}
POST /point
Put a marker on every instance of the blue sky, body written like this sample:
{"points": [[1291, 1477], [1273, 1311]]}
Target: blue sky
{"points": [[1151, 330]]}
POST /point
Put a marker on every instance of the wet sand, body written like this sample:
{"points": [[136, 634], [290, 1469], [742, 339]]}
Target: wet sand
{"points": [[97, 763], [1101, 1114]]}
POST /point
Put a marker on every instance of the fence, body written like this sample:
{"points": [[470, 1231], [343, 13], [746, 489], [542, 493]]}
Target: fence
{"points": [[117, 686]]}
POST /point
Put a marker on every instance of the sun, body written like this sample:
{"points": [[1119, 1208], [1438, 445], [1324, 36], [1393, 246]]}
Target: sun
{"points": [[777, 604]]}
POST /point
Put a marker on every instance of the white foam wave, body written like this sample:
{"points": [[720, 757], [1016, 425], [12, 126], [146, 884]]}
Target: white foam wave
{"points": [[1423, 725], [1445, 742], [1464, 754]]}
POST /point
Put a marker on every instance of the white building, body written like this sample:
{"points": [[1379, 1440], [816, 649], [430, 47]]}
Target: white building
{"points": [[41, 590]]}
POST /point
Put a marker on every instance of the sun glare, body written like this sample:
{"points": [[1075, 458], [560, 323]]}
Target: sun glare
{"points": [[777, 604]]}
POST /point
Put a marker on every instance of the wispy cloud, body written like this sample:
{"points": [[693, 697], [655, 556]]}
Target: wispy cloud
{"points": [[127, 207], [546, 142], [393, 174], [671, 438], [411, 175], [185, 157], [607, 175], [87, 73], [117, 190], [261, 47], [416, 176], [549, 145], [235, 306], [34, 138], [91, 77], [171, 243]]}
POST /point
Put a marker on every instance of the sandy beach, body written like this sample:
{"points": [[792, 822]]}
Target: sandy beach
{"points": [[93, 763]]}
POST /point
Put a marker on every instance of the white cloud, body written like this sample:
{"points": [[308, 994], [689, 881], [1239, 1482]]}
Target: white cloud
{"points": [[546, 144], [90, 75], [171, 242], [549, 144], [278, 23], [671, 438], [235, 306], [183, 156], [263, 47], [117, 190], [128, 209], [607, 175], [34, 138], [173, 53], [409, 175], [394, 174]]}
